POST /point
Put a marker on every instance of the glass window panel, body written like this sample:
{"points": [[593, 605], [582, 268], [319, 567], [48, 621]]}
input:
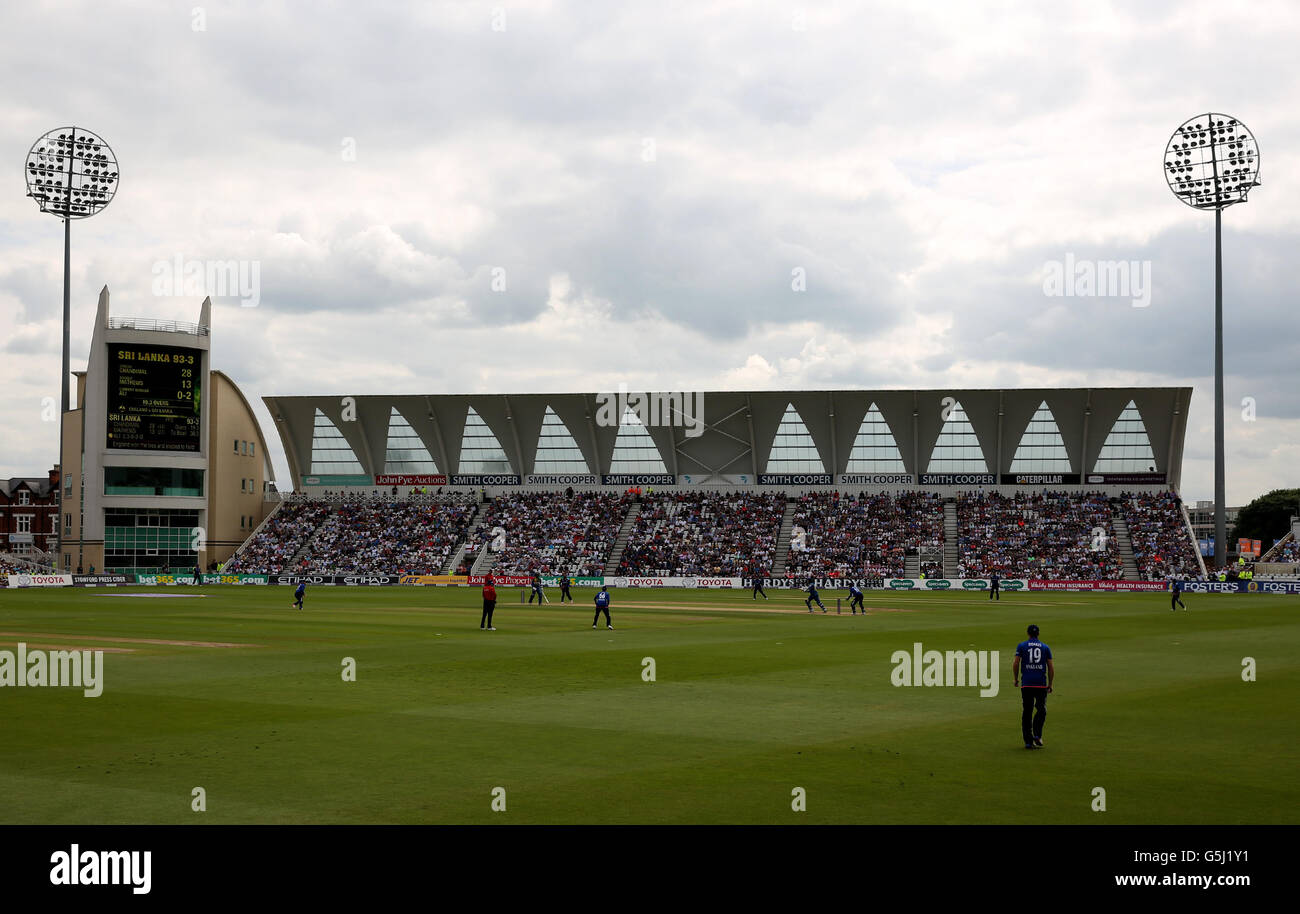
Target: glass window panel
{"points": [[480, 451], [330, 451], [793, 449], [634, 450], [1127, 448], [405, 452], [557, 451]]}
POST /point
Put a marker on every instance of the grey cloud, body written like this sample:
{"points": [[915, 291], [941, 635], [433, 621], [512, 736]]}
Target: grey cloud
{"points": [[844, 150]]}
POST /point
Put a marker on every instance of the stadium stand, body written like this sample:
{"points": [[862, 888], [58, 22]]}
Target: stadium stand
{"points": [[23, 564], [358, 536], [868, 535], [550, 532], [1161, 544], [411, 537], [1290, 552], [280, 539], [1038, 535], [695, 533], [689, 533]]}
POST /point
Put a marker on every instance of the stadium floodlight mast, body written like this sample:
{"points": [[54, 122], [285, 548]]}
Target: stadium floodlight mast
{"points": [[72, 174], [1212, 162]]}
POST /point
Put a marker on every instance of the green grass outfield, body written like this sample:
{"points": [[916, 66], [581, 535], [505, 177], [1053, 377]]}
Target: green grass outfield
{"points": [[747, 705]]}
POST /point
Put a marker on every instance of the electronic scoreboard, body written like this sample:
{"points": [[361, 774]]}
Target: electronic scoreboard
{"points": [[154, 397]]}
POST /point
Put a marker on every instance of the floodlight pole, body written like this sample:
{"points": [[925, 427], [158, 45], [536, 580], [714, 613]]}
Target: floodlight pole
{"points": [[1220, 508], [64, 390], [1220, 488], [67, 307], [1240, 175], [67, 277], [44, 179]]}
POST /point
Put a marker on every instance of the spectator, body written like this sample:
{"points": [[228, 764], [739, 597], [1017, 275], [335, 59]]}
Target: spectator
{"points": [[1061, 535], [865, 534], [1162, 543], [549, 533], [698, 533], [359, 536]]}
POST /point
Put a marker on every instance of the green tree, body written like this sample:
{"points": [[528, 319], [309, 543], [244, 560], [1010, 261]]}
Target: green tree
{"points": [[1268, 517]]}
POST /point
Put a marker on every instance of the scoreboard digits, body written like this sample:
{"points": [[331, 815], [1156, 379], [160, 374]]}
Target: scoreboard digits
{"points": [[154, 397]]}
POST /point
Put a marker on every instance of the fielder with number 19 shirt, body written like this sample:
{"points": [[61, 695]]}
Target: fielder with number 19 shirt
{"points": [[1034, 672]]}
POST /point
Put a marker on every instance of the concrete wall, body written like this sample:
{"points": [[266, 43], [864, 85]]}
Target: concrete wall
{"points": [[232, 420]]}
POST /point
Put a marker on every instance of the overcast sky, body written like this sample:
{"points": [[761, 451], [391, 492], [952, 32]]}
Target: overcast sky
{"points": [[646, 177]]}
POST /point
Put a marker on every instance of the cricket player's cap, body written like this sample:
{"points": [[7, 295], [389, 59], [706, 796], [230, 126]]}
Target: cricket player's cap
{"points": [[1033, 631]]}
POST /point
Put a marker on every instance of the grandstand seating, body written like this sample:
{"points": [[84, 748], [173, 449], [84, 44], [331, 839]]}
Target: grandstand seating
{"points": [[726, 533], [1037, 535], [280, 539], [1290, 552], [699, 533], [864, 535], [1162, 546], [358, 536], [551, 532]]}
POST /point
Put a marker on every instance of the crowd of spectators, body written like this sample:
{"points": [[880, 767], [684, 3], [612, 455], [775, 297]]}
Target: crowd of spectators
{"points": [[1290, 551], [405, 537], [698, 533], [732, 534], [863, 535], [20, 564], [1066, 536], [280, 538], [550, 532], [1162, 545], [357, 536], [8, 567]]}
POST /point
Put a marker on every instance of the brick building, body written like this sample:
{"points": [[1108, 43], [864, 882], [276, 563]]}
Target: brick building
{"points": [[29, 514]]}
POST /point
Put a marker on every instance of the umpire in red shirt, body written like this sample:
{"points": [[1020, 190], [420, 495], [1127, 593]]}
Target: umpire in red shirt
{"points": [[489, 604]]}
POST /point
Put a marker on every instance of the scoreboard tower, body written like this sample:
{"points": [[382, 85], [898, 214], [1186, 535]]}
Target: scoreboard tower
{"points": [[152, 483]]}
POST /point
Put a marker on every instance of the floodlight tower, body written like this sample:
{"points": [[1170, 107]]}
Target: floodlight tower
{"points": [[1212, 162], [72, 174]]}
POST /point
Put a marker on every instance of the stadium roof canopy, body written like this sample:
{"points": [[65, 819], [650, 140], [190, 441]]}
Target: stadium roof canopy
{"points": [[1110, 436]]}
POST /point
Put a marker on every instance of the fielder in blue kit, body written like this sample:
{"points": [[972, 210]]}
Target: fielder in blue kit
{"points": [[1033, 672], [813, 596], [602, 606]]}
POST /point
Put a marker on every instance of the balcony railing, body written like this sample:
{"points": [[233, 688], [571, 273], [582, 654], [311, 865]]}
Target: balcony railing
{"points": [[145, 323]]}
